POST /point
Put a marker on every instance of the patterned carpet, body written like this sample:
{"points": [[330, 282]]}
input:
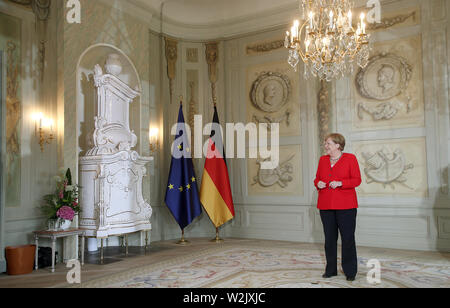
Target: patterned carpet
{"points": [[245, 266]]}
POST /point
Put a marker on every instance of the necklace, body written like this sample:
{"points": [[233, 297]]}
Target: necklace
{"points": [[336, 159]]}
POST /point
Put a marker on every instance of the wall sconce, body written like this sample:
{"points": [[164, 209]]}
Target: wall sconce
{"points": [[43, 126], [153, 137]]}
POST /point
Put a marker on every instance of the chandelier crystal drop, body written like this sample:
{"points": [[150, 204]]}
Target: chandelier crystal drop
{"points": [[326, 40]]}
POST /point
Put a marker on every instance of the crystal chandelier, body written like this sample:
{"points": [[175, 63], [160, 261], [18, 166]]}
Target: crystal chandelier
{"points": [[326, 41]]}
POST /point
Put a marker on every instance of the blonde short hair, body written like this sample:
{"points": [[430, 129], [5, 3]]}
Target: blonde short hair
{"points": [[338, 139]]}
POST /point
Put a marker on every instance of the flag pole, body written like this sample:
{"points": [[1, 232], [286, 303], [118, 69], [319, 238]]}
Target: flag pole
{"points": [[182, 241], [217, 239]]}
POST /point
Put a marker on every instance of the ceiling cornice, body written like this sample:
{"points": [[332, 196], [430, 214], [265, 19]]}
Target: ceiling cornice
{"points": [[149, 12]]}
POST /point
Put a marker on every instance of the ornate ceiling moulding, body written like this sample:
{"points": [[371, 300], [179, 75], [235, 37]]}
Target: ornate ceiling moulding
{"points": [[265, 47], [171, 57], [212, 58]]}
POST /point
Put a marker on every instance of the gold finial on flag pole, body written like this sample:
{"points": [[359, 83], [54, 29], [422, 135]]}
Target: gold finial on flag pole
{"points": [[182, 241]]}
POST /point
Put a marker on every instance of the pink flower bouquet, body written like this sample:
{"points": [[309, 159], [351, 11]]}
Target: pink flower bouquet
{"points": [[63, 203], [66, 213]]}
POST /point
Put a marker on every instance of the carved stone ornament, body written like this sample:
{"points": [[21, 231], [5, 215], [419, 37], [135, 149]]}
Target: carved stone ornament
{"points": [[382, 111], [265, 47], [212, 58], [270, 91], [13, 110], [386, 168], [390, 22], [281, 175], [385, 77], [111, 172], [171, 57], [285, 117], [41, 8], [323, 111], [192, 55]]}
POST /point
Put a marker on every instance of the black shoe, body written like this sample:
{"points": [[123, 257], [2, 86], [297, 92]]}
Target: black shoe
{"points": [[350, 278], [328, 275]]}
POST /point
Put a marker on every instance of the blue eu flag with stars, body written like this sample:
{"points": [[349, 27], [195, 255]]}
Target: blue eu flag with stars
{"points": [[182, 194]]}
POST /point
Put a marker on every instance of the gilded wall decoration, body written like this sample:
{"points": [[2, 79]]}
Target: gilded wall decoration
{"points": [[212, 58], [192, 55], [272, 97], [265, 47], [13, 123], [192, 89], [285, 179], [171, 57], [323, 111], [393, 167], [388, 93], [192, 109], [10, 43]]}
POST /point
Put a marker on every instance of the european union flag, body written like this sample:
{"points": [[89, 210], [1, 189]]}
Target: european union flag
{"points": [[182, 193]]}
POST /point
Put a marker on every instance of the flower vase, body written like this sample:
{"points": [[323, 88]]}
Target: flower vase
{"points": [[52, 224], [64, 224]]}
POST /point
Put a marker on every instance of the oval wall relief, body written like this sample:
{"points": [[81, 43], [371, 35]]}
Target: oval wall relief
{"points": [[386, 76], [270, 91]]}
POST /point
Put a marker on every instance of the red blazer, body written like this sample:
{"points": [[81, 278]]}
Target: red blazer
{"points": [[346, 170]]}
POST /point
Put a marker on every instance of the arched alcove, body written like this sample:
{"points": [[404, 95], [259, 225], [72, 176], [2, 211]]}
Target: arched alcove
{"points": [[86, 99], [86, 107]]}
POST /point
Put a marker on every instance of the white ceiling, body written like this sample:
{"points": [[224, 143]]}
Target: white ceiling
{"points": [[207, 12], [214, 19]]}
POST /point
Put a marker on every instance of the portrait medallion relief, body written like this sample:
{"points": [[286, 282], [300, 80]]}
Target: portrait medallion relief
{"points": [[386, 77], [270, 91], [271, 97], [388, 93]]}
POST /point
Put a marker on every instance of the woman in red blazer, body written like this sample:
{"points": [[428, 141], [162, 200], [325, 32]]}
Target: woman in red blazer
{"points": [[337, 177]]}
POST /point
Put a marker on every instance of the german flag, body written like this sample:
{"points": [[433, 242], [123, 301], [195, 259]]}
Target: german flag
{"points": [[215, 191]]}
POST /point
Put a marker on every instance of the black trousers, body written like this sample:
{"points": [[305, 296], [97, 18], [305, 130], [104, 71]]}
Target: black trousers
{"points": [[343, 221]]}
